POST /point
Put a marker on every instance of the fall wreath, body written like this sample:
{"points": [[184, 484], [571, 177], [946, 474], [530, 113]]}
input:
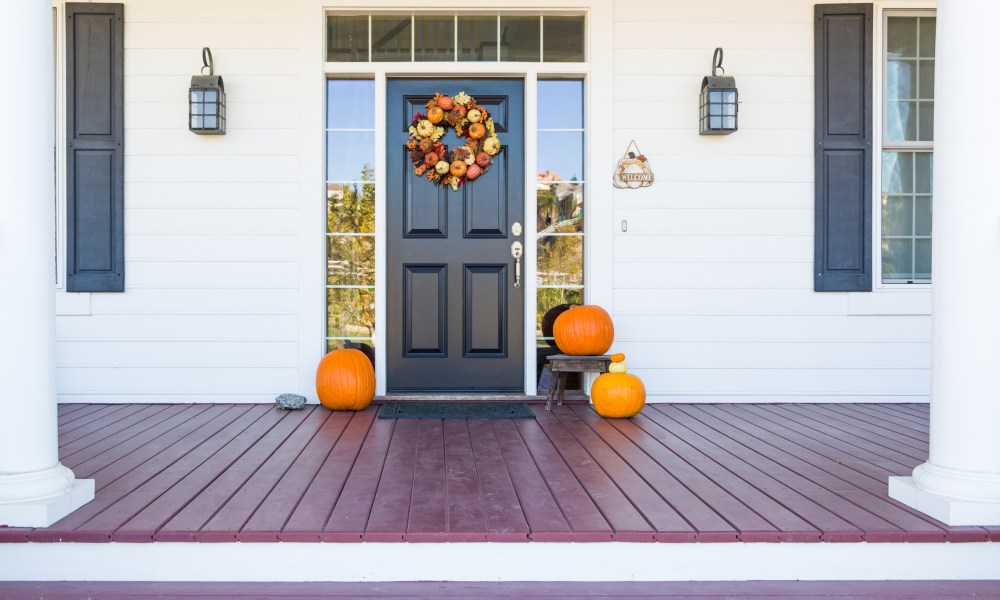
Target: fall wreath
{"points": [[431, 156]]}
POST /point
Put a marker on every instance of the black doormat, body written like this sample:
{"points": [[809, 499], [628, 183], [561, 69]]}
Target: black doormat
{"points": [[455, 410]]}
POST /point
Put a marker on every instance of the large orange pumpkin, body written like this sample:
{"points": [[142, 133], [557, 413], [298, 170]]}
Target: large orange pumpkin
{"points": [[617, 394], [345, 380], [584, 331]]}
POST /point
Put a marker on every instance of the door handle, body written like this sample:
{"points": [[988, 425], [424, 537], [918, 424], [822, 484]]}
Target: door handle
{"points": [[516, 250]]}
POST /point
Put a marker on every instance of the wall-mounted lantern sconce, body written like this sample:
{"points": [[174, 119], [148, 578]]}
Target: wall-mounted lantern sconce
{"points": [[207, 100], [719, 101]]}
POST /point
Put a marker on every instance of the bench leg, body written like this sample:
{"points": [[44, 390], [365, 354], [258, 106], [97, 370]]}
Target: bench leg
{"points": [[553, 383], [562, 386]]}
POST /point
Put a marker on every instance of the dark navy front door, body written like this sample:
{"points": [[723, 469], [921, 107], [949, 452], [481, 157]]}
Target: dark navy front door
{"points": [[455, 318]]}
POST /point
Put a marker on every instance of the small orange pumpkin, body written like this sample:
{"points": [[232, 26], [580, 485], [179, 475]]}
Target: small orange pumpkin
{"points": [[445, 102], [458, 168], [584, 331], [477, 131], [618, 395], [435, 114], [345, 380], [473, 171], [431, 159], [483, 159]]}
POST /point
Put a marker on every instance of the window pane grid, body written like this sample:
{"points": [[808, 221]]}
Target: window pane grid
{"points": [[907, 152], [382, 37]]}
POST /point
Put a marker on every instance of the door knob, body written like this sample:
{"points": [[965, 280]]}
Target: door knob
{"points": [[516, 250]]}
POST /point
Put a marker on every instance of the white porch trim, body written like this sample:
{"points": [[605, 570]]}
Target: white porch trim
{"points": [[960, 483], [538, 561]]}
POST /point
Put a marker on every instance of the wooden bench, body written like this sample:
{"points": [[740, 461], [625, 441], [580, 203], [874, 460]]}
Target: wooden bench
{"points": [[564, 364]]}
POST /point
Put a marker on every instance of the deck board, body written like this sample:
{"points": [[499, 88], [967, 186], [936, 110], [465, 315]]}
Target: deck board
{"points": [[675, 473], [505, 518], [312, 512], [276, 509]]}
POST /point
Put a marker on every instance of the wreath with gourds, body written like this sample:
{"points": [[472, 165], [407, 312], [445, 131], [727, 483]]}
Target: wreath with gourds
{"points": [[433, 158]]}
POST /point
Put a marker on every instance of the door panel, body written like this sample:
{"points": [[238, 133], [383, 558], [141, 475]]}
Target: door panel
{"points": [[455, 321]]}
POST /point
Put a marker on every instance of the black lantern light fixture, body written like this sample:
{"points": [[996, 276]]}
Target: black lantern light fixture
{"points": [[207, 100], [719, 100]]}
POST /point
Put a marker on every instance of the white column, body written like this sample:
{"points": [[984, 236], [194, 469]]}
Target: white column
{"points": [[35, 490], [960, 483]]}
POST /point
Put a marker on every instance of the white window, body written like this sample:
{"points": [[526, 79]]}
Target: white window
{"points": [[907, 147]]}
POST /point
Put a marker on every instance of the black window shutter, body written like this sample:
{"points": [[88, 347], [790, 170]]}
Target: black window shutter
{"points": [[95, 194], [843, 252]]}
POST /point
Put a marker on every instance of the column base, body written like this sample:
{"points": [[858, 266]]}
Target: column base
{"points": [[947, 509], [46, 511]]}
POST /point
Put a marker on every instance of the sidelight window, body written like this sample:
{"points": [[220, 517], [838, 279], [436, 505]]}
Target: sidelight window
{"points": [[560, 190], [350, 209]]}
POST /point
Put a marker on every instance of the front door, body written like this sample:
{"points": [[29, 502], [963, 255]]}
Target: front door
{"points": [[455, 317]]}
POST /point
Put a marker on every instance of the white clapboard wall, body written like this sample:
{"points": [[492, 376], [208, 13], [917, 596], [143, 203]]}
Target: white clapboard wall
{"points": [[713, 286], [712, 282]]}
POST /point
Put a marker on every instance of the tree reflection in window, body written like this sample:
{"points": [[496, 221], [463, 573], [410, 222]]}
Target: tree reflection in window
{"points": [[351, 260]]}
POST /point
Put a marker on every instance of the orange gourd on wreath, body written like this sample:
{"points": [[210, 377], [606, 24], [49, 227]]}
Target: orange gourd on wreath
{"points": [[345, 380], [584, 330], [618, 394]]}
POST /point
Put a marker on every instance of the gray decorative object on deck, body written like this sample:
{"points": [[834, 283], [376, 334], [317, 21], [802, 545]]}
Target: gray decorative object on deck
{"points": [[290, 401]]}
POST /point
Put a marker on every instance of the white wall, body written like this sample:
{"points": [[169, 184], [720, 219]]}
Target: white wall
{"points": [[711, 289], [713, 297], [211, 310]]}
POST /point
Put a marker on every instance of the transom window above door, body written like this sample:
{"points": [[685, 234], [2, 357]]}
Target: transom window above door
{"points": [[443, 37]]}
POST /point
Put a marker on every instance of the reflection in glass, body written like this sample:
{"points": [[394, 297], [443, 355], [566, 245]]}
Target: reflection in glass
{"points": [[560, 260], [922, 259], [898, 216], [350, 104], [897, 258], [350, 207], [922, 207], [900, 121], [477, 38], [900, 79], [560, 154], [549, 298], [350, 260], [560, 207], [347, 38], [358, 343], [926, 69], [897, 172], [928, 41], [901, 38], [391, 38], [563, 39], [348, 154], [434, 38], [520, 39], [924, 170], [350, 312], [925, 124], [560, 104]]}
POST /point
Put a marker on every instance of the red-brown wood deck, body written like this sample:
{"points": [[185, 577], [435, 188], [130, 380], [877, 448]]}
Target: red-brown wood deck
{"points": [[676, 473]]}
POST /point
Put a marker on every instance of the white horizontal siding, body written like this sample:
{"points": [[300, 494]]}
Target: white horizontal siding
{"points": [[713, 264], [178, 327], [174, 354], [213, 251]]}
